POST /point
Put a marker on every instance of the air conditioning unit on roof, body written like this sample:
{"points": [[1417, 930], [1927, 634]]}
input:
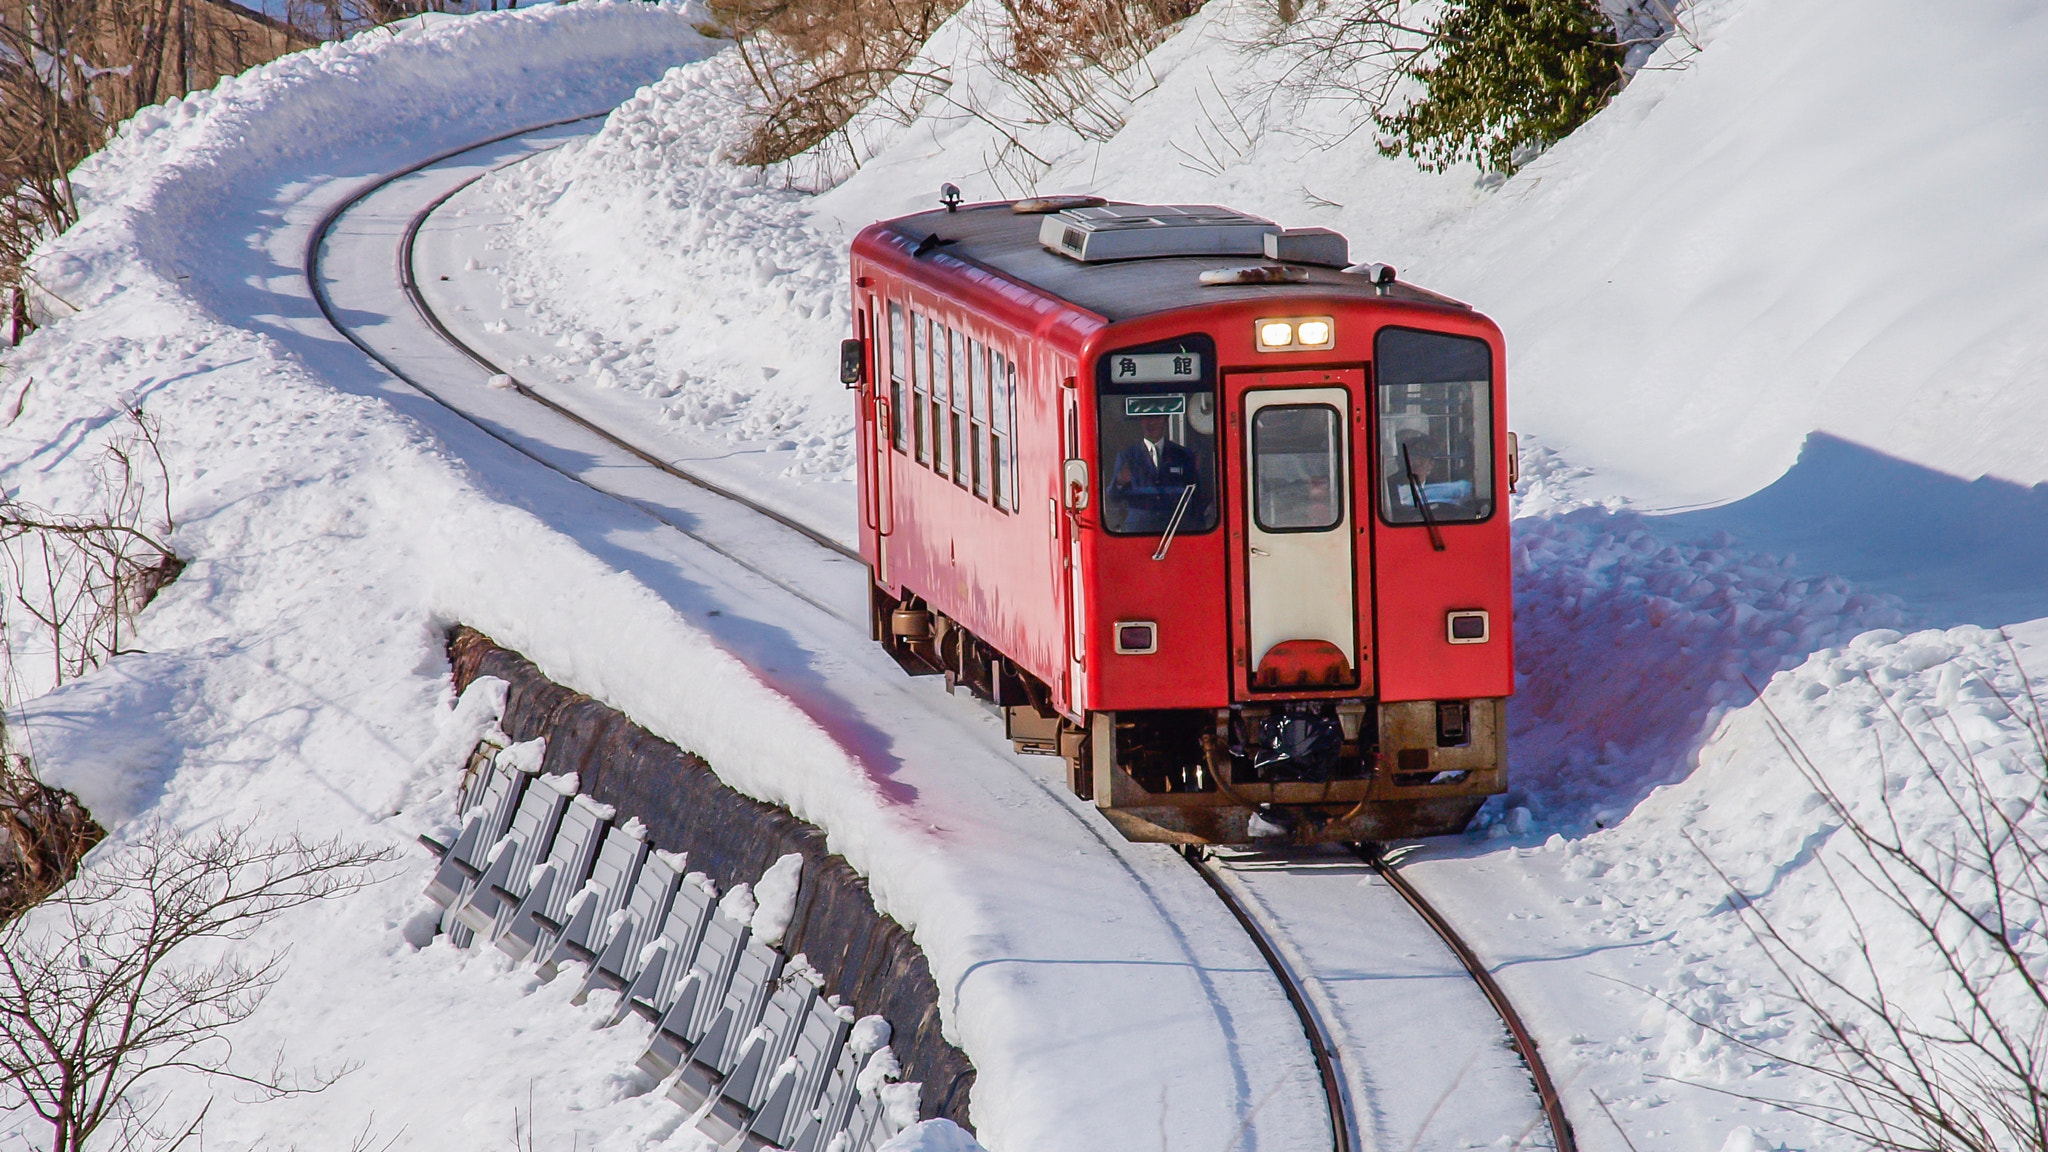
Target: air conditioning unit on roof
{"points": [[1132, 231]]}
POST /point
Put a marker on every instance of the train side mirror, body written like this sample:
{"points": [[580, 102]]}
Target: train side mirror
{"points": [[853, 357], [1077, 485], [1514, 461]]}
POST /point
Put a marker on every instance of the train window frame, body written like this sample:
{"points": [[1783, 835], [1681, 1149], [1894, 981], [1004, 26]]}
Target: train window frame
{"points": [[956, 417], [920, 384], [899, 340], [977, 415], [1002, 441], [934, 413], [1341, 500], [1482, 440], [1209, 465]]}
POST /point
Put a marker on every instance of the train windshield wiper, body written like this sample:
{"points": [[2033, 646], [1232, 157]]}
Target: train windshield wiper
{"points": [[1180, 510], [1436, 538]]}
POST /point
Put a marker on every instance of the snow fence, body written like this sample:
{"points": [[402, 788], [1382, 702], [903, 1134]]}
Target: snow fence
{"points": [[863, 956]]}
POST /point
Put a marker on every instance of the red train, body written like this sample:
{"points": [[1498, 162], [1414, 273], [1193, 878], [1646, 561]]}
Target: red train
{"points": [[1207, 511]]}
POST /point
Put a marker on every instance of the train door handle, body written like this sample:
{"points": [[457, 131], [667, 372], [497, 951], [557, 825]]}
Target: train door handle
{"points": [[1260, 552]]}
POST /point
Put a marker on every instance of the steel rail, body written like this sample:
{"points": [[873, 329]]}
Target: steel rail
{"points": [[407, 281], [1524, 1040], [1343, 1136], [318, 239]]}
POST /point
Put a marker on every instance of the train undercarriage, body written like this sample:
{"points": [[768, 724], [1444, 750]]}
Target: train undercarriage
{"points": [[1285, 771]]}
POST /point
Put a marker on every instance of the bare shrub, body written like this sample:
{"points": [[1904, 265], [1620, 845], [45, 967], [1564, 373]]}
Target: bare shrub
{"points": [[814, 64], [1074, 62], [44, 831], [131, 970], [83, 577], [1964, 1069], [71, 70]]}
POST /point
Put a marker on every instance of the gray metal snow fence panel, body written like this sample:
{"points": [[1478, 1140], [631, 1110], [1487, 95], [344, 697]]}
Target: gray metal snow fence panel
{"points": [[503, 790], [533, 826], [617, 866], [790, 1099], [835, 1103], [572, 943], [666, 1045], [864, 1127], [477, 772], [725, 940], [746, 996], [477, 911], [574, 851], [618, 956], [560, 877], [817, 1050], [653, 892], [783, 1020], [611, 964], [521, 933], [532, 832], [684, 926], [445, 886], [612, 874]]}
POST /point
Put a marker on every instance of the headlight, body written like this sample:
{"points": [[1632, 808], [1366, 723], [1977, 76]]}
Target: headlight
{"points": [[1295, 333]]}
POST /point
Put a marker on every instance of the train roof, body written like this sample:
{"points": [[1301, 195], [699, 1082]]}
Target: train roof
{"points": [[1007, 241]]}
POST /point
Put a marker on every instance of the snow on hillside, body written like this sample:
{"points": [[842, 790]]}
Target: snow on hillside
{"points": [[294, 678], [1770, 327], [1772, 347]]}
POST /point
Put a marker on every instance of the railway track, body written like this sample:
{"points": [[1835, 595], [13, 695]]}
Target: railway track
{"points": [[315, 279], [1347, 1130]]}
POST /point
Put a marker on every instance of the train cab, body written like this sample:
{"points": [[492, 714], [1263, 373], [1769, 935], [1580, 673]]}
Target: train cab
{"points": [[1207, 509]]}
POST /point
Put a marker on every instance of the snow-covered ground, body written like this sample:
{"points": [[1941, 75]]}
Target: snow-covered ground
{"points": [[1773, 349]]}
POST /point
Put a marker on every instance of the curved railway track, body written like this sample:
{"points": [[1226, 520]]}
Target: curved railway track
{"points": [[1524, 1040], [314, 280], [1345, 1130]]}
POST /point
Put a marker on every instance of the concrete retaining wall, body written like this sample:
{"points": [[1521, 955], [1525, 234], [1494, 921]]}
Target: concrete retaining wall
{"points": [[867, 959]]}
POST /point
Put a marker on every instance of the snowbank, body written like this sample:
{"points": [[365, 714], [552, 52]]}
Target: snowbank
{"points": [[295, 673]]}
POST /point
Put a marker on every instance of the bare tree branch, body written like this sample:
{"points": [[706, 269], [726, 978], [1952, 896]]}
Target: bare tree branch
{"points": [[130, 971]]}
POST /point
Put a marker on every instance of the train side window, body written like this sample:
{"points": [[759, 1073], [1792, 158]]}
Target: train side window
{"points": [[1002, 418], [956, 423], [898, 357], [921, 383], [1435, 427], [942, 383], [977, 413]]}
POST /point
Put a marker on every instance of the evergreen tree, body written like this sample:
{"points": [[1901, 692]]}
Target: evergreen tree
{"points": [[1505, 76]]}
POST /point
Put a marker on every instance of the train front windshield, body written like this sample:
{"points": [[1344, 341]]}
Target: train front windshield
{"points": [[1436, 427], [1156, 418]]}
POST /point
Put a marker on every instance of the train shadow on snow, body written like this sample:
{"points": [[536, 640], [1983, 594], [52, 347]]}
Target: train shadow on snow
{"points": [[1635, 633], [1957, 551]]}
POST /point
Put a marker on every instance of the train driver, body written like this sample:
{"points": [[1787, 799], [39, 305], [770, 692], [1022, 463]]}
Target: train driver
{"points": [[1149, 480]]}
